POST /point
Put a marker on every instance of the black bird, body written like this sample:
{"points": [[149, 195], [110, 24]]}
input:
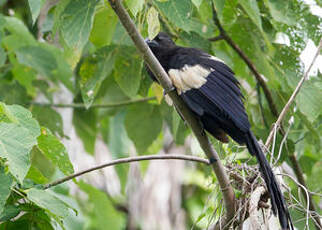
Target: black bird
{"points": [[211, 91]]}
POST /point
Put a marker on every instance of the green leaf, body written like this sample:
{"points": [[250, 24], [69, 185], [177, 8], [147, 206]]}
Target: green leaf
{"points": [[48, 61], [36, 176], [20, 116], [13, 93], [38, 58], [105, 21], [3, 56], [153, 23], [281, 11], [251, 8], [143, 123], [17, 138], [17, 28], [315, 180], [25, 75], [178, 12], [197, 3], [101, 210], [93, 71], [118, 141], [85, 122], [55, 151], [219, 6], [6, 182], [135, 6], [15, 145], [49, 118], [76, 22], [9, 212], [309, 100], [127, 71], [48, 201], [35, 6]]}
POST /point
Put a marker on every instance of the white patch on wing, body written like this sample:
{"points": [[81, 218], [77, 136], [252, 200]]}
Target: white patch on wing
{"points": [[216, 59], [168, 100], [189, 77]]}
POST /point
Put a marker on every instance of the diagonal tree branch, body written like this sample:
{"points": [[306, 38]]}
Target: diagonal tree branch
{"points": [[248, 62], [158, 71], [129, 160], [106, 105]]}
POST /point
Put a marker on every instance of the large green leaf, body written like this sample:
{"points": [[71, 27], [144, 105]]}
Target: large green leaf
{"points": [[101, 210], [178, 12], [16, 27], [219, 6], [251, 8], [309, 100], [6, 182], [35, 6], [127, 71], [143, 123], [118, 141], [93, 71], [105, 21], [48, 201], [15, 145], [20, 116], [49, 118], [38, 58], [135, 6], [85, 122], [153, 22], [76, 22], [48, 61], [281, 11], [55, 151], [18, 134], [25, 75]]}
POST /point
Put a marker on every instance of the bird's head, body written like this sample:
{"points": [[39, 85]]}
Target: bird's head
{"points": [[160, 42]]}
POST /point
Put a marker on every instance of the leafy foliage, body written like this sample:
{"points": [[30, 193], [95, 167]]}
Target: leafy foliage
{"points": [[80, 47]]}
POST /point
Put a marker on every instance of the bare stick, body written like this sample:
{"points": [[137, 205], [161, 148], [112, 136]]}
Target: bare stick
{"points": [[128, 160], [292, 98], [106, 105], [160, 74]]}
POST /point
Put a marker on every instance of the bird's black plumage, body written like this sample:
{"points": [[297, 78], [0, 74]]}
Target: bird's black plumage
{"points": [[208, 87]]}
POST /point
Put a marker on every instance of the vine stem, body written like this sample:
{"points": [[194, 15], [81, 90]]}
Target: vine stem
{"points": [[162, 77], [105, 105], [128, 160]]}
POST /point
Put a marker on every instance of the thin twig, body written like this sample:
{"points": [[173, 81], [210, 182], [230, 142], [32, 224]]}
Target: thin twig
{"points": [[217, 38], [105, 105], [128, 160], [165, 82], [292, 98], [248, 62]]}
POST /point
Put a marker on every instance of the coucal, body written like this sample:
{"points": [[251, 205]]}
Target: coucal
{"points": [[211, 91]]}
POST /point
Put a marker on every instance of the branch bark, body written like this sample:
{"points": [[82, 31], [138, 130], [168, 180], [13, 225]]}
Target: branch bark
{"points": [[158, 71], [128, 160], [106, 105]]}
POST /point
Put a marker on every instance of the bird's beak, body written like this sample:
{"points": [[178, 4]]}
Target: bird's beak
{"points": [[151, 43]]}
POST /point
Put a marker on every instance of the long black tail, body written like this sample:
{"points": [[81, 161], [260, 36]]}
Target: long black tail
{"points": [[278, 204]]}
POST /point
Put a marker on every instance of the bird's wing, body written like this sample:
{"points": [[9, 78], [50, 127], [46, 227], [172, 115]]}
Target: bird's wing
{"points": [[207, 85]]}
